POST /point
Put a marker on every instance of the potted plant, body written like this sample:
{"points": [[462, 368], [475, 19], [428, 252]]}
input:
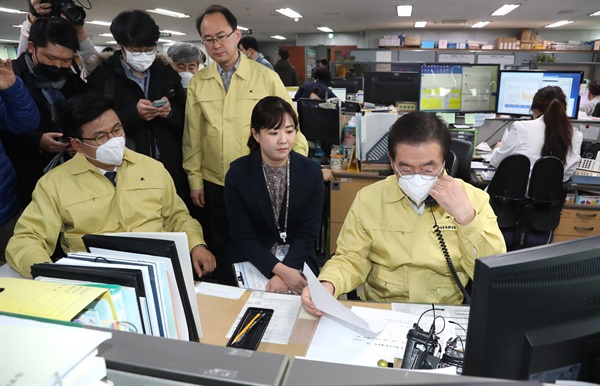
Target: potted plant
{"points": [[350, 68]]}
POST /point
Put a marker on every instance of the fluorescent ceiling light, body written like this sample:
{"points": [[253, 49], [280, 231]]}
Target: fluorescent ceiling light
{"points": [[505, 9], [106, 35], [176, 33], [97, 22], [289, 13], [161, 40], [242, 28], [480, 24], [10, 10], [420, 24], [112, 42], [17, 25], [8, 41], [404, 10], [278, 37], [597, 13], [325, 29], [166, 12], [558, 24]]}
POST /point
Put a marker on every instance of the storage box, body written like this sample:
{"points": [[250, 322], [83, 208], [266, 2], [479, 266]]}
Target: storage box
{"points": [[526, 34], [412, 40], [427, 44], [596, 45], [526, 45], [588, 200]]}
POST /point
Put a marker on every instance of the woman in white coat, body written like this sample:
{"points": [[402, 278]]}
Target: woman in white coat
{"points": [[549, 133]]}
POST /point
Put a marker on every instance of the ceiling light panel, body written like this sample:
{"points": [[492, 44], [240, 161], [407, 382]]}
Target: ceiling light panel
{"points": [[558, 24], [167, 12], [404, 10], [505, 9]]}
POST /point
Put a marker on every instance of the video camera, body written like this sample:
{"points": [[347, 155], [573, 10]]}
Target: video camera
{"points": [[73, 13]]}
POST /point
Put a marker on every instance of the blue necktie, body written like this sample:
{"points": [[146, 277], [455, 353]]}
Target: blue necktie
{"points": [[112, 177]]}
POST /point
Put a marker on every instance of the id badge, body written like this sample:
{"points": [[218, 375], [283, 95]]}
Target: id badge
{"points": [[282, 251]]}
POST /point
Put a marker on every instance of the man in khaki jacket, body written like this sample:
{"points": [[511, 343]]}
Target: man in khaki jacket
{"points": [[220, 100], [390, 240], [104, 188]]}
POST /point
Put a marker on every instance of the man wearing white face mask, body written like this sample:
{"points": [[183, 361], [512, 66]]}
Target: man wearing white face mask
{"points": [[389, 240], [187, 60], [147, 92], [104, 188]]}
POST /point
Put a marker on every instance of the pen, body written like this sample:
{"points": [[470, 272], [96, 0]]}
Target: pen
{"points": [[247, 327]]}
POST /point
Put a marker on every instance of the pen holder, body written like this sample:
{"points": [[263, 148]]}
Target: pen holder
{"points": [[251, 328]]}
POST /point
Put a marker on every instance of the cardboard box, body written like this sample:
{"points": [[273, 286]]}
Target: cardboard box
{"points": [[526, 46], [412, 40], [526, 34], [596, 45], [534, 36]]}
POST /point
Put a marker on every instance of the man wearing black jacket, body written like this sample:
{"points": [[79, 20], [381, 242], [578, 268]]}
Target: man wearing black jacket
{"points": [[147, 93], [46, 70]]}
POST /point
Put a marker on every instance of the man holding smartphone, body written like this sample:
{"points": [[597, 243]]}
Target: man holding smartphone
{"points": [[147, 93]]}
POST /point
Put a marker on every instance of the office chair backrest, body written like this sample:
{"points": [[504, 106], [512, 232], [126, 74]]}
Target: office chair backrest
{"points": [[451, 164], [546, 193], [596, 112], [508, 187], [464, 153]]}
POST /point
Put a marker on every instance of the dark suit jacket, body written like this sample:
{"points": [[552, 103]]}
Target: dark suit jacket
{"points": [[250, 214]]}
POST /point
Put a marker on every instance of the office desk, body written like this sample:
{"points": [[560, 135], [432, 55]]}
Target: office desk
{"points": [[218, 315]]}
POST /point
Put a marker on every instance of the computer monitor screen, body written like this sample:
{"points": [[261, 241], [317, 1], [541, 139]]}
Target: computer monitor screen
{"points": [[340, 93], [465, 88], [517, 88], [535, 314], [352, 85], [388, 88], [319, 120]]}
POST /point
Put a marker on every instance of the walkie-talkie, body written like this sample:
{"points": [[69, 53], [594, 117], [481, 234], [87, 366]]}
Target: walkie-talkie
{"points": [[419, 350]]}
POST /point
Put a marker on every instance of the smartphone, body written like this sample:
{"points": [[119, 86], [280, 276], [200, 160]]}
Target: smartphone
{"points": [[159, 103]]}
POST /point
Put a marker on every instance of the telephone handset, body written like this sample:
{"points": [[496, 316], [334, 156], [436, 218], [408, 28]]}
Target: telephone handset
{"points": [[451, 168]]}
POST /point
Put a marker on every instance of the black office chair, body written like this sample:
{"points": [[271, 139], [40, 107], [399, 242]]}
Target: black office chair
{"points": [[528, 209], [596, 112], [464, 153], [507, 188]]}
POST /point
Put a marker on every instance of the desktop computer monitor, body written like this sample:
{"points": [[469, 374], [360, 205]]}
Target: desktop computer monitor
{"points": [[388, 88], [461, 88], [352, 85], [535, 314], [517, 88], [319, 120]]}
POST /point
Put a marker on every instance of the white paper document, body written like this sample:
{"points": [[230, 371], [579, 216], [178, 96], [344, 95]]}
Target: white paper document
{"points": [[222, 291], [350, 345], [40, 353], [249, 277], [332, 307], [286, 309]]}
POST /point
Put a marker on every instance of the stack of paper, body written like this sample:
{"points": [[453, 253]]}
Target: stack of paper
{"points": [[36, 353], [151, 286]]}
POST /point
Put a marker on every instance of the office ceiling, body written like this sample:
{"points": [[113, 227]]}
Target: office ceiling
{"points": [[339, 15]]}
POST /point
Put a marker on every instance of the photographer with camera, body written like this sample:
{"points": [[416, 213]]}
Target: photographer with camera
{"points": [[45, 68], [65, 9]]}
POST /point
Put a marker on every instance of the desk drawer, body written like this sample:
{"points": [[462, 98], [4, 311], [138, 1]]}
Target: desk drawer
{"points": [[578, 226], [583, 214]]}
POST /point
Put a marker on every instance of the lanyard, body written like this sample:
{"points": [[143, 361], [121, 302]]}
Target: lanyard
{"points": [[282, 234]]}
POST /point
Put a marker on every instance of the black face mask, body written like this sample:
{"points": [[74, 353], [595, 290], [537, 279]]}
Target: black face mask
{"points": [[52, 73]]}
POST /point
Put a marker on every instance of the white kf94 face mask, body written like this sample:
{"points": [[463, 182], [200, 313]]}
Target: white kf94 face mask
{"points": [[109, 153]]}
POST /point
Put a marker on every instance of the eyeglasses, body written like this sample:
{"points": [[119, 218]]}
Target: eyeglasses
{"points": [[138, 53], [102, 138], [427, 174], [218, 39]]}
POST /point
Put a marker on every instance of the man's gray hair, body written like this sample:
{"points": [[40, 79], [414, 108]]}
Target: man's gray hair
{"points": [[185, 53]]}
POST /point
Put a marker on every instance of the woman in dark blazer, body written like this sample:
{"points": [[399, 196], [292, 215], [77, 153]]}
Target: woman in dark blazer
{"points": [[256, 192]]}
